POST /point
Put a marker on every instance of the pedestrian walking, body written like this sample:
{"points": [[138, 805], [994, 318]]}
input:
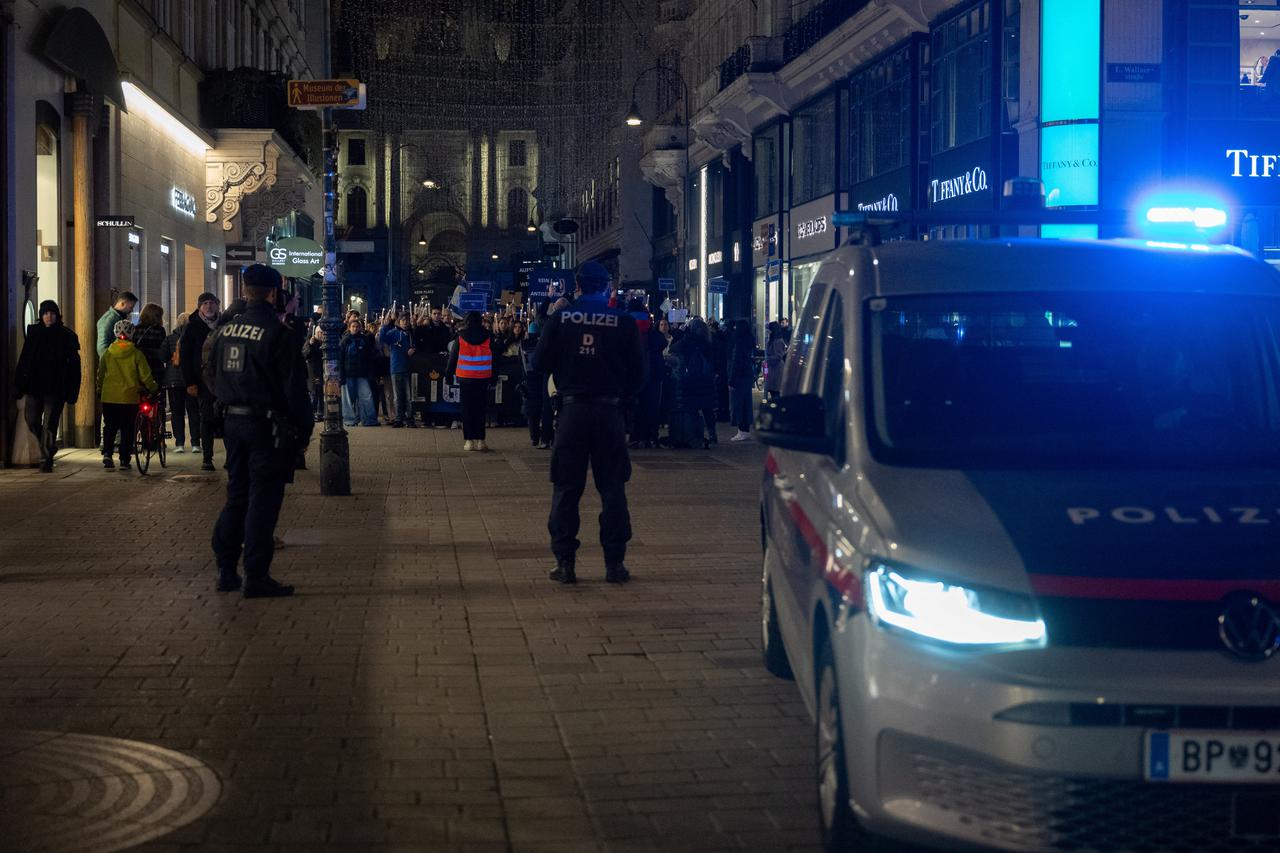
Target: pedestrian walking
{"points": [[190, 357], [593, 353], [119, 310], [47, 378], [396, 335], [123, 374], [184, 411], [259, 378], [471, 364], [742, 378]]}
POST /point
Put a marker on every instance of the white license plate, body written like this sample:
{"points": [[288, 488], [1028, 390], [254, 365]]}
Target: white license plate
{"points": [[1209, 756]]}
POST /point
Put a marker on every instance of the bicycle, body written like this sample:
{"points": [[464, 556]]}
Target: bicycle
{"points": [[149, 433]]}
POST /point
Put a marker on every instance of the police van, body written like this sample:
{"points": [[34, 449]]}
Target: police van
{"points": [[1021, 525]]}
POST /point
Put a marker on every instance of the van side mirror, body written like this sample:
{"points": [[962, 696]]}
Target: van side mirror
{"points": [[795, 422]]}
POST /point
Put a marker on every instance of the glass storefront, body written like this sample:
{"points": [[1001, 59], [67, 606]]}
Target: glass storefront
{"points": [[48, 222], [1259, 52], [813, 150], [766, 158], [962, 67], [881, 107], [802, 276]]}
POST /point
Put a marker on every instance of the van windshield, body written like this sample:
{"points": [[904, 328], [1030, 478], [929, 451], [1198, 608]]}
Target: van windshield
{"points": [[1074, 379]]}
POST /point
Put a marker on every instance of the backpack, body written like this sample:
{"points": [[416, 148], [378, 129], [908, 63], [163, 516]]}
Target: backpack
{"points": [[695, 367]]}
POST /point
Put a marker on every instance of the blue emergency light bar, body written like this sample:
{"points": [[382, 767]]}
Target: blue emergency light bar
{"points": [[1199, 217]]}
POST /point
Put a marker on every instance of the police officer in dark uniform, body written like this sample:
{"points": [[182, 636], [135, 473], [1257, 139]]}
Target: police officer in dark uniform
{"points": [[260, 381], [594, 353]]}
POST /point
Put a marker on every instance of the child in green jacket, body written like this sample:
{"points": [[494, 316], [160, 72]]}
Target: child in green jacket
{"points": [[122, 374]]}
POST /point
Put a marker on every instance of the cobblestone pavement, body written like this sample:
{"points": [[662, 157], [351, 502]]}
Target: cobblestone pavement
{"points": [[428, 688]]}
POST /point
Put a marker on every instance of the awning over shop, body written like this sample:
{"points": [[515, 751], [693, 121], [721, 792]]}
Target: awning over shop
{"points": [[79, 47]]}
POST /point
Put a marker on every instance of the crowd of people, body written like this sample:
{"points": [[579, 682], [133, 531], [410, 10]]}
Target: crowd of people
{"points": [[700, 372]]}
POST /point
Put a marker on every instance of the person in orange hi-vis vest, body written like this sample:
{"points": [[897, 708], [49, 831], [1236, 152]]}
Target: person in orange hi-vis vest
{"points": [[471, 363]]}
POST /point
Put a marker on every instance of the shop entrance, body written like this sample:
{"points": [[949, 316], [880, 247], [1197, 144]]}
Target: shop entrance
{"points": [[167, 296], [48, 222], [193, 277]]}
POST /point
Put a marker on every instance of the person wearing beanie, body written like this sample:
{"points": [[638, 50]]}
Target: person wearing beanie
{"points": [[47, 377], [200, 323], [123, 373]]}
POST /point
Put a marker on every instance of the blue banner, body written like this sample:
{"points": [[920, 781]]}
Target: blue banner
{"points": [[473, 302], [667, 285]]}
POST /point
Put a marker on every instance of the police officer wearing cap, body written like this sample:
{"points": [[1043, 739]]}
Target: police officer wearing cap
{"points": [[260, 381], [594, 354]]}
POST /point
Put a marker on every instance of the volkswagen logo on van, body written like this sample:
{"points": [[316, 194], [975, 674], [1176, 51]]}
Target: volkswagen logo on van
{"points": [[1249, 627]]}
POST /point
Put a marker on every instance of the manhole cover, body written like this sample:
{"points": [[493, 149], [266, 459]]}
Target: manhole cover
{"points": [[62, 792]]}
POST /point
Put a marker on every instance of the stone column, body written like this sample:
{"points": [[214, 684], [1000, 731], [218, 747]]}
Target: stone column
{"points": [[85, 314]]}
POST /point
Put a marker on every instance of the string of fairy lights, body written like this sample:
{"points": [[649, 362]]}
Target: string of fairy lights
{"points": [[559, 68]]}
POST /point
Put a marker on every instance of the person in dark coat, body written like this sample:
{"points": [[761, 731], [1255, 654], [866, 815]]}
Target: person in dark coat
{"points": [[742, 377], [149, 336], [191, 358], [775, 352], [649, 400], [720, 358], [313, 353], [48, 377], [538, 410], [471, 363], [184, 411], [695, 371]]}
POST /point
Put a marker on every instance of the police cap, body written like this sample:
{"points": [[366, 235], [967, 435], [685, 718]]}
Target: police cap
{"points": [[263, 276], [592, 277]]}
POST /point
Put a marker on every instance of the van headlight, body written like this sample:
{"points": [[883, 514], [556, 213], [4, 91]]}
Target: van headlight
{"points": [[952, 614]]}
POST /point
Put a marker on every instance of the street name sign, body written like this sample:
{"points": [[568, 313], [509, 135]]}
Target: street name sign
{"points": [[667, 285], [343, 94]]}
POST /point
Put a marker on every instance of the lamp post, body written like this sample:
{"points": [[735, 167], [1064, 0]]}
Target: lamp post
{"points": [[634, 119], [427, 183]]}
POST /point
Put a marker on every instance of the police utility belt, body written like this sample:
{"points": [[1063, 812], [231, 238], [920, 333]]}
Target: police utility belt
{"points": [[283, 433], [588, 399], [247, 411]]}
